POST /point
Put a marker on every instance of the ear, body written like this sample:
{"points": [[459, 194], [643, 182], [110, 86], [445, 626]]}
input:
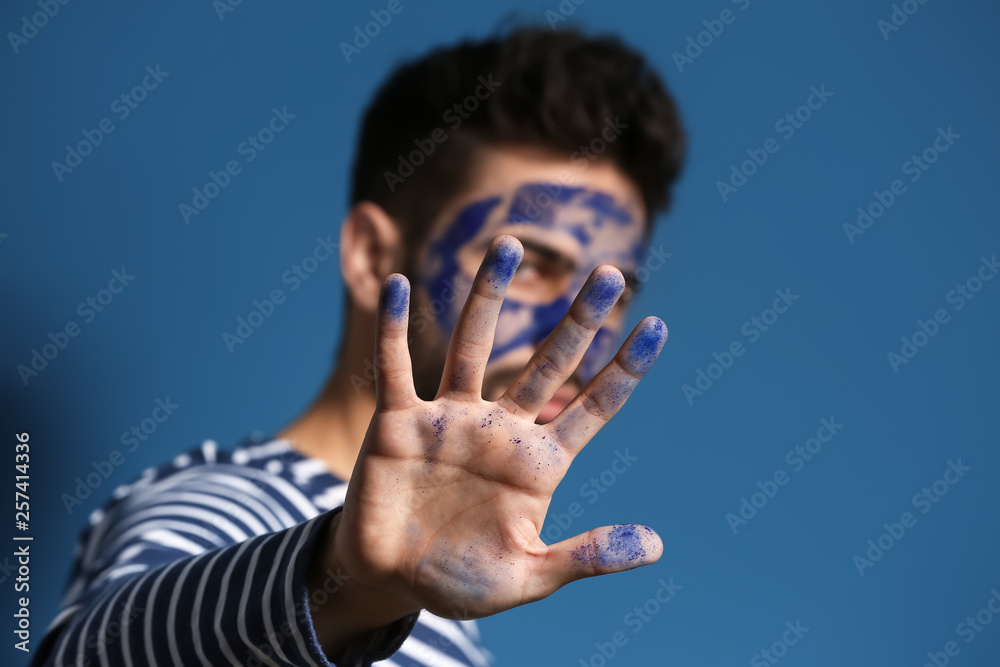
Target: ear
{"points": [[370, 249]]}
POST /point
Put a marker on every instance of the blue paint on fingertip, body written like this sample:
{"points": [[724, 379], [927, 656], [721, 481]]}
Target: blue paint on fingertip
{"points": [[396, 298], [504, 261], [603, 293], [623, 546], [646, 346]]}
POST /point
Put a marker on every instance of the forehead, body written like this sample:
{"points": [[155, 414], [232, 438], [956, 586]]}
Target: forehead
{"points": [[588, 225]]}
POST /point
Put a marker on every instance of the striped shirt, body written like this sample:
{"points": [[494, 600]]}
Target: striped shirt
{"points": [[202, 562]]}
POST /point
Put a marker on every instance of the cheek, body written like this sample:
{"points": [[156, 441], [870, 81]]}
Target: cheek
{"points": [[522, 324]]}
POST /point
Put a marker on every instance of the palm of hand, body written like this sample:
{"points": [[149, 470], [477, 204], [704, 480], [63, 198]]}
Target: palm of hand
{"points": [[449, 496]]}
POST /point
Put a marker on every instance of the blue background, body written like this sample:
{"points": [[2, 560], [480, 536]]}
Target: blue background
{"points": [[825, 357]]}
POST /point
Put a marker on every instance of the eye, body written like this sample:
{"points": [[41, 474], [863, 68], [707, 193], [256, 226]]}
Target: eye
{"points": [[528, 270]]}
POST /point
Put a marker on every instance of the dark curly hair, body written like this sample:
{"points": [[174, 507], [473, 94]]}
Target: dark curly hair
{"points": [[558, 90]]}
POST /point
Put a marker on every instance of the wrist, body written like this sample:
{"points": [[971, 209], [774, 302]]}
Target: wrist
{"points": [[346, 609]]}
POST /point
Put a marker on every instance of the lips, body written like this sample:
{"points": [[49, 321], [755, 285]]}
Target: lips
{"points": [[562, 398]]}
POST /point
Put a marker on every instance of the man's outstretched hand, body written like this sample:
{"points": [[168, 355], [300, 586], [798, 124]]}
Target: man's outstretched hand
{"points": [[448, 497]]}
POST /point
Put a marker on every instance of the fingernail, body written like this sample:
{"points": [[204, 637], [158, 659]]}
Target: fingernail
{"points": [[646, 346], [395, 297]]}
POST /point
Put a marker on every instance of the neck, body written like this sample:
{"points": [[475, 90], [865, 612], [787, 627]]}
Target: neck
{"points": [[333, 428]]}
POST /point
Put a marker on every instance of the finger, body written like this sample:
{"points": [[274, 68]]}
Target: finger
{"points": [[472, 339], [560, 353], [607, 392], [393, 374], [599, 551]]}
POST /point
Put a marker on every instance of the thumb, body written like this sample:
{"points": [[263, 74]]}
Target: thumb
{"points": [[599, 551]]}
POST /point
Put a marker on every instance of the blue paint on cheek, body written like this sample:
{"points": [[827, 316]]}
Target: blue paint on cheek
{"points": [[543, 319], [467, 224]]}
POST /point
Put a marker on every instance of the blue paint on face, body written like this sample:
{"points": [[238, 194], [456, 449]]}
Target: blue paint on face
{"points": [[605, 207], [466, 226], [540, 203], [539, 321], [581, 212]]}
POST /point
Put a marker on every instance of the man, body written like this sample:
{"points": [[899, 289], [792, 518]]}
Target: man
{"points": [[502, 201]]}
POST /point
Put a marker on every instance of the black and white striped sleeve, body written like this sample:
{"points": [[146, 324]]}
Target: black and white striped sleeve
{"points": [[206, 566]]}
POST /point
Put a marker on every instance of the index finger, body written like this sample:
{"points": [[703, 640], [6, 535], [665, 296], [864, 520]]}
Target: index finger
{"points": [[472, 339]]}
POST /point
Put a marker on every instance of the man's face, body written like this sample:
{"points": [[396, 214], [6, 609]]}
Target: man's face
{"points": [[569, 219]]}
